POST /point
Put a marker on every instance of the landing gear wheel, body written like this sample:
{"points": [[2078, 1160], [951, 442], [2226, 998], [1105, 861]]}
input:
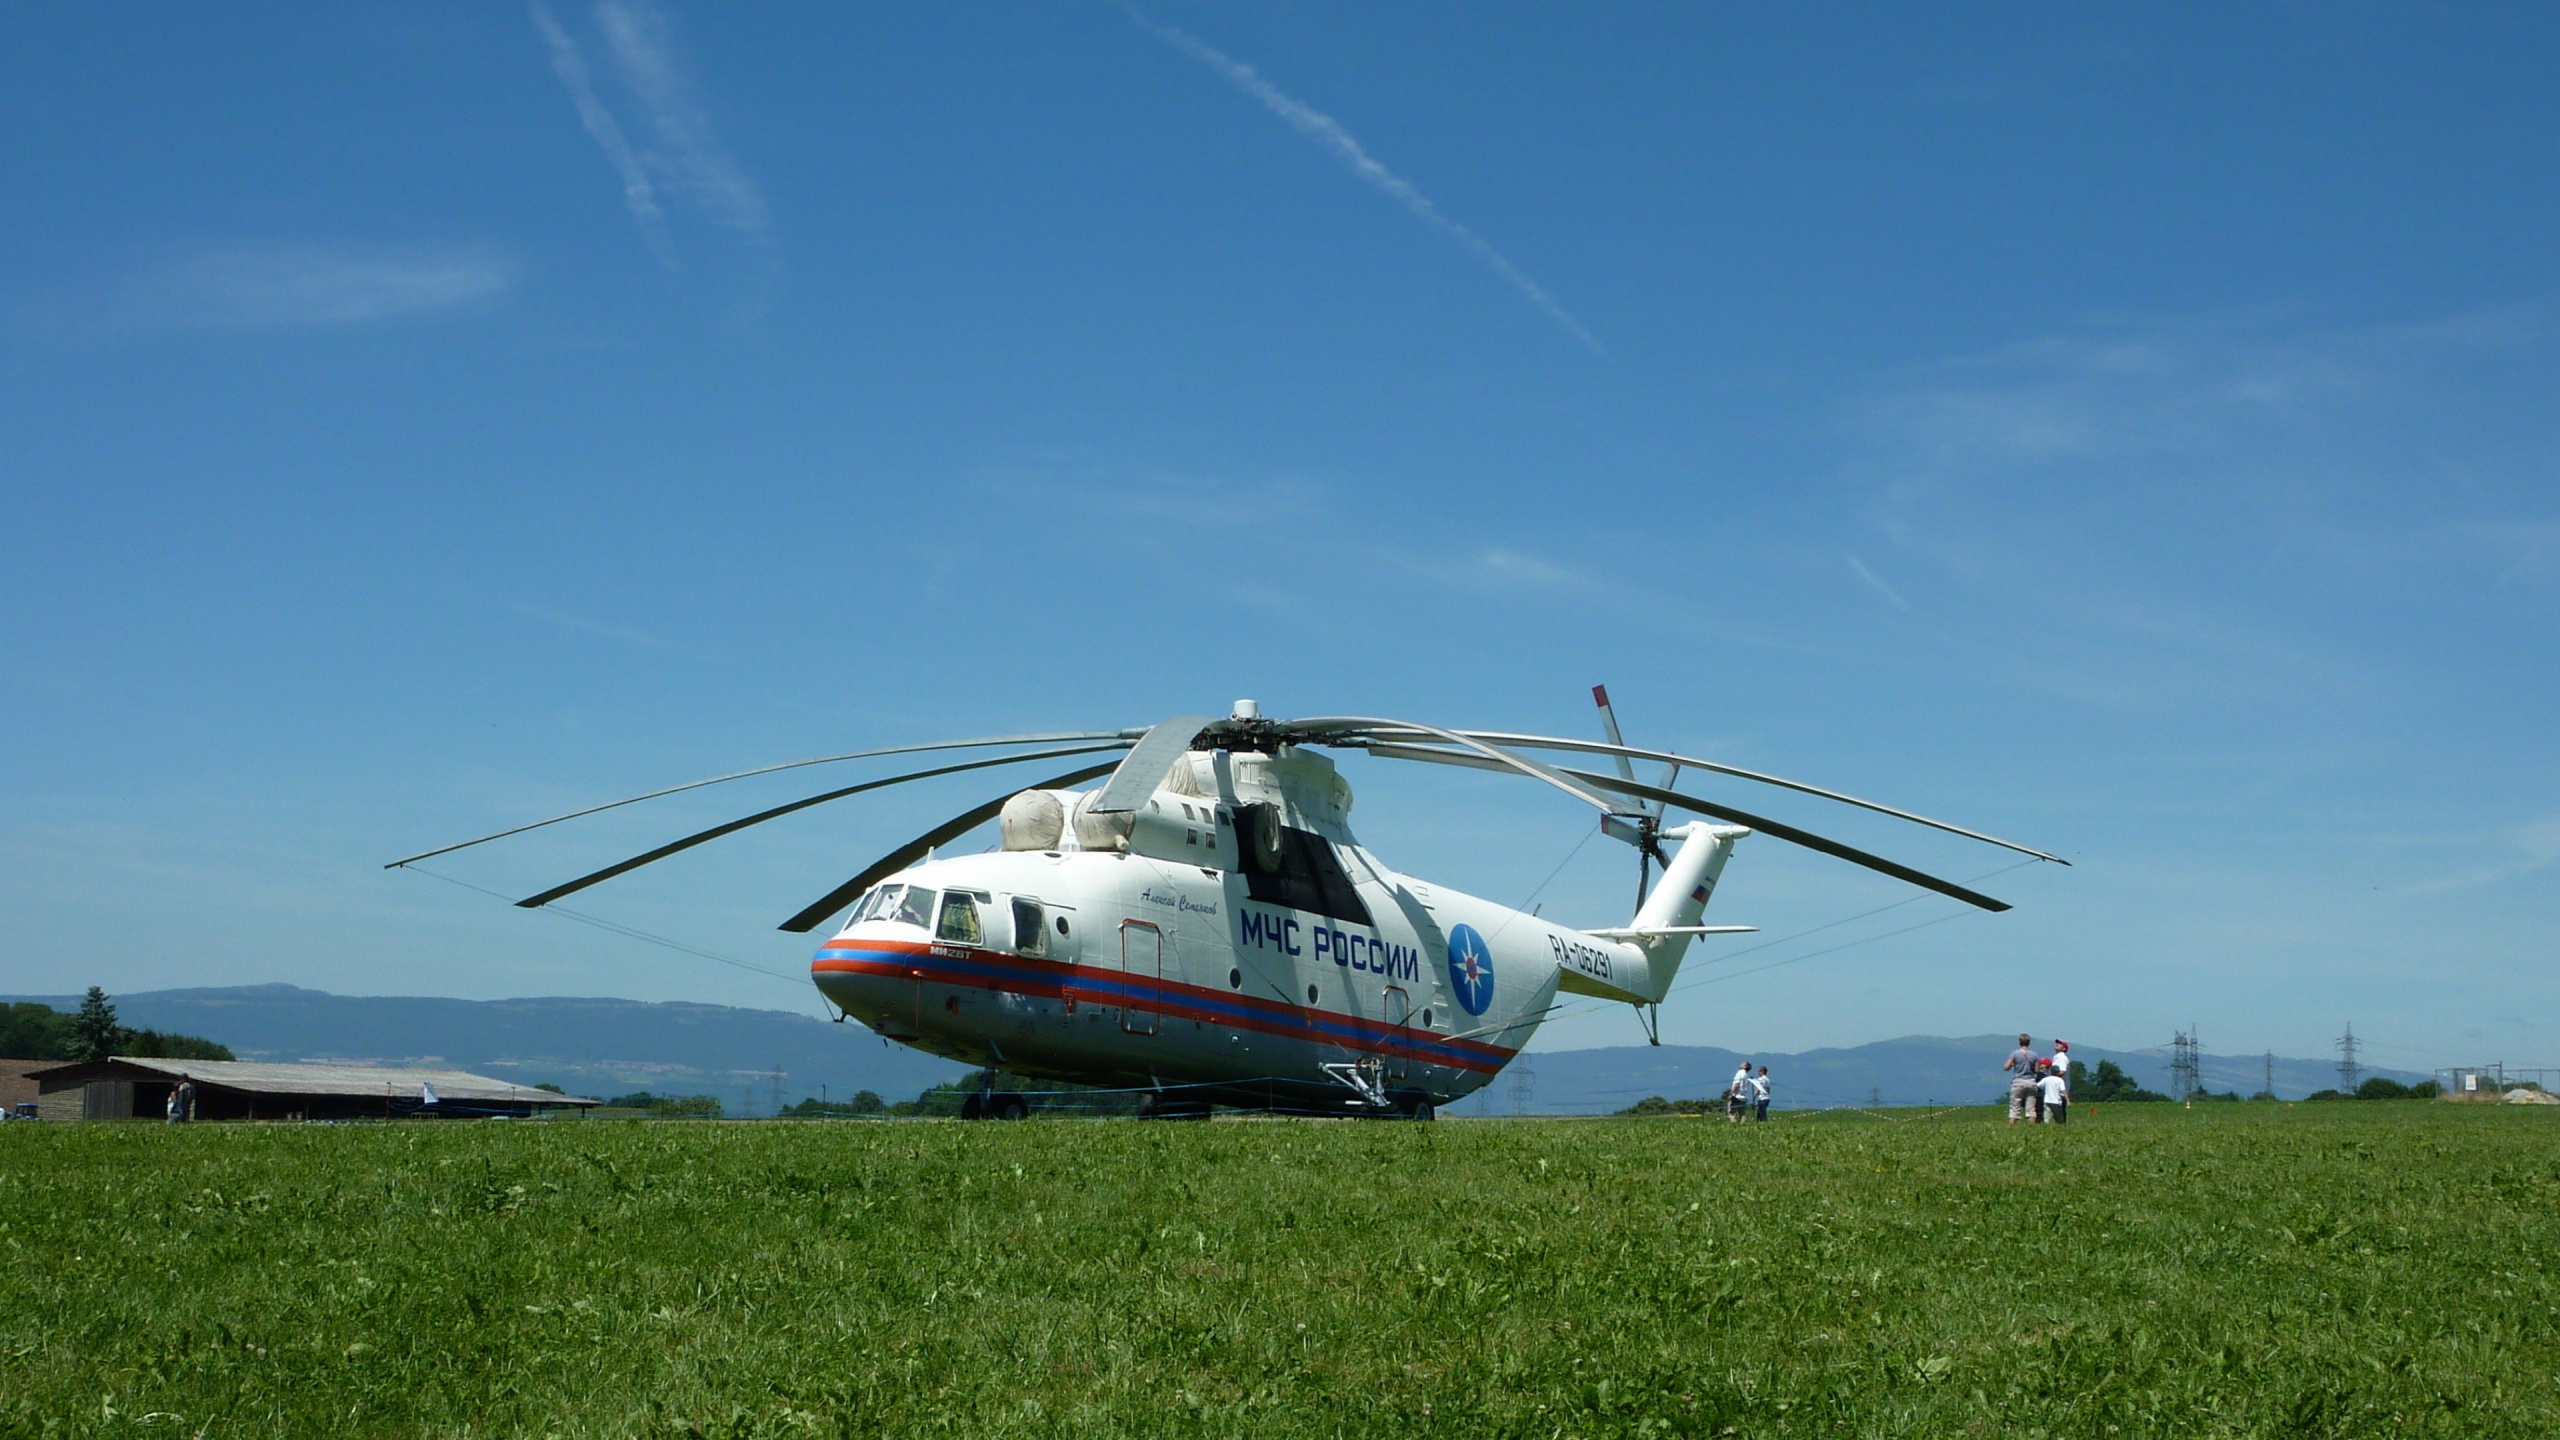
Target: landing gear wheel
{"points": [[973, 1106], [1422, 1110], [1413, 1105], [1009, 1107]]}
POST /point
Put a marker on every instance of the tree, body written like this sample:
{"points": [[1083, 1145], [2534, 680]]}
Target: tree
{"points": [[1060, 1097], [152, 1045], [95, 1035], [2111, 1083], [668, 1107], [29, 1031]]}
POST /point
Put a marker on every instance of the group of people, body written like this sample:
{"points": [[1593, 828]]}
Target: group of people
{"points": [[1748, 1095], [2039, 1085]]}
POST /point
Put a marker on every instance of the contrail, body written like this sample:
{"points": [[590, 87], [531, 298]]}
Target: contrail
{"points": [[570, 64], [637, 35], [1326, 131]]}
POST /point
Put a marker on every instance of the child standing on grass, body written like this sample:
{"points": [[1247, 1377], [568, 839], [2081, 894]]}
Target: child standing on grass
{"points": [[2056, 1094]]}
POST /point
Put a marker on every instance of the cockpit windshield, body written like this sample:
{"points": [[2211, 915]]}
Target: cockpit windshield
{"points": [[914, 908], [960, 919]]}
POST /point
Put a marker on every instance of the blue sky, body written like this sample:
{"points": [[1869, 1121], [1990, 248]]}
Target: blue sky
{"points": [[2128, 432]]}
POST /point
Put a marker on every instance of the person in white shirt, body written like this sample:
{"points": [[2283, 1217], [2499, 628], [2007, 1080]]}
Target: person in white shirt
{"points": [[2057, 1096], [1760, 1095], [1738, 1094]]}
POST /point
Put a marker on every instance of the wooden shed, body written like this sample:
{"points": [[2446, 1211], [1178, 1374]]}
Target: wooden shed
{"points": [[130, 1088]]}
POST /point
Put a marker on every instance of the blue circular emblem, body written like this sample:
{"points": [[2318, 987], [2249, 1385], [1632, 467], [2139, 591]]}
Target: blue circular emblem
{"points": [[1470, 969]]}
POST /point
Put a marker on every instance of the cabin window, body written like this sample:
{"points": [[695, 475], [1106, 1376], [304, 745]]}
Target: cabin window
{"points": [[1028, 936], [959, 919], [914, 908]]}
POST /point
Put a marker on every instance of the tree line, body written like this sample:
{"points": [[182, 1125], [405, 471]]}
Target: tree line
{"points": [[30, 1031]]}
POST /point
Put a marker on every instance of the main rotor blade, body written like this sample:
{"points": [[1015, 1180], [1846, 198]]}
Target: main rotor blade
{"points": [[761, 816], [1061, 737], [1806, 838], [1351, 726], [914, 850], [1146, 766], [1588, 747]]}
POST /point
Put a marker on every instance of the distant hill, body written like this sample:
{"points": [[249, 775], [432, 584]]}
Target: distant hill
{"points": [[1914, 1070], [594, 1046], [587, 1046]]}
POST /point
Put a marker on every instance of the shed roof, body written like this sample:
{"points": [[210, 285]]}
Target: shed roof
{"points": [[368, 1080]]}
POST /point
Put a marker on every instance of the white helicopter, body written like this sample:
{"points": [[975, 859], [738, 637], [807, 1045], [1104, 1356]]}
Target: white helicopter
{"points": [[1206, 929]]}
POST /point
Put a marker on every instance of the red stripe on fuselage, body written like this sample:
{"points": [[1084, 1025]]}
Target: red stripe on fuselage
{"points": [[1050, 979]]}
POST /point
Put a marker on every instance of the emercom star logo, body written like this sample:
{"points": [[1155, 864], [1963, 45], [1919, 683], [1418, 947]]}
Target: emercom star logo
{"points": [[1470, 969]]}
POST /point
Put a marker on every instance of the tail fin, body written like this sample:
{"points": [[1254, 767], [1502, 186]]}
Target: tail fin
{"points": [[1666, 922], [1681, 899]]}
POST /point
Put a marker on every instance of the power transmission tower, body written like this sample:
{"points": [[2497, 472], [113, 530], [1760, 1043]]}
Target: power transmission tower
{"points": [[1524, 1084], [2183, 1081], [2348, 1069], [2269, 1089], [777, 1089]]}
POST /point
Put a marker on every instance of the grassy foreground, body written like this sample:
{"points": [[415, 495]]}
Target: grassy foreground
{"points": [[2375, 1269]]}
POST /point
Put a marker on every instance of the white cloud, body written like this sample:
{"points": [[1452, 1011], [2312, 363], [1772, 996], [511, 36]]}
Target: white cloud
{"points": [[570, 64], [644, 53], [2532, 846], [582, 625], [1327, 132], [2523, 549], [1511, 568], [321, 285], [1860, 567], [681, 154]]}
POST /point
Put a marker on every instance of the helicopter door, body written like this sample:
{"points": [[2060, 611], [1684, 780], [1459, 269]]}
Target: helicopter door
{"points": [[1398, 1013], [1142, 961]]}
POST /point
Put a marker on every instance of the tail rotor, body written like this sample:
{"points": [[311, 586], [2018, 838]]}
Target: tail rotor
{"points": [[1641, 828]]}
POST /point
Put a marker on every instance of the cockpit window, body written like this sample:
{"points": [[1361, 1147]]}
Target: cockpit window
{"points": [[959, 919], [915, 908], [1029, 936], [871, 902]]}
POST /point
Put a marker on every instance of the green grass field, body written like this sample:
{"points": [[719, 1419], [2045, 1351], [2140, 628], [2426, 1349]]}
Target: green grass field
{"points": [[2369, 1269]]}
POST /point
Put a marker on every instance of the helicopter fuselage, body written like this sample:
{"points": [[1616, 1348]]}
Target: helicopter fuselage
{"points": [[1126, 970]]}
